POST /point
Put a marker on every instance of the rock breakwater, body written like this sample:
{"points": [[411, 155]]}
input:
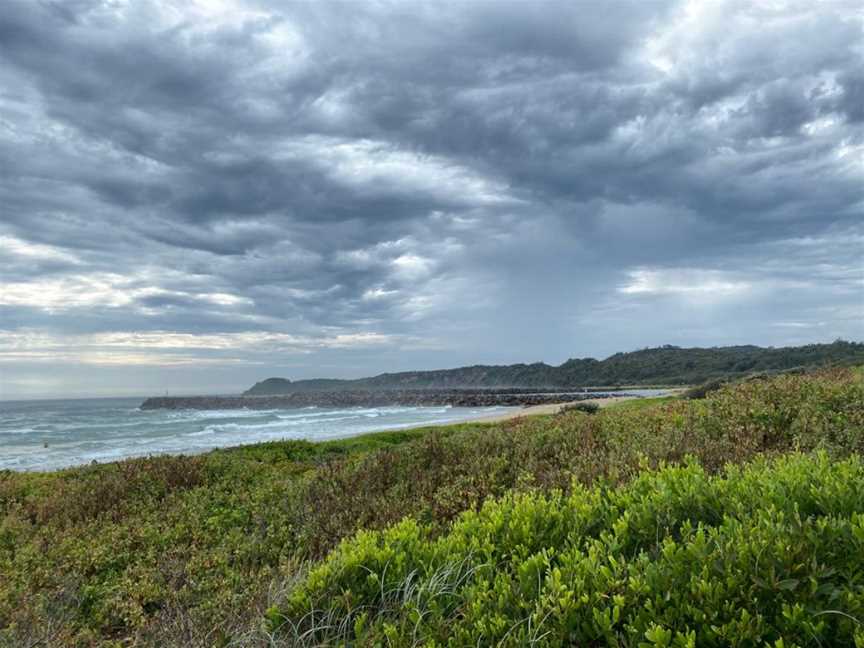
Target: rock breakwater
{"points": [[377, 398]]}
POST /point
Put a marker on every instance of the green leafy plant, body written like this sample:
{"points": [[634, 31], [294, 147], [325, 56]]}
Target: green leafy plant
{"points": [[758, 555]]}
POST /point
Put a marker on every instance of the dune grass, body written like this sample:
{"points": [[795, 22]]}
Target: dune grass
{"points": [[213, 549]]}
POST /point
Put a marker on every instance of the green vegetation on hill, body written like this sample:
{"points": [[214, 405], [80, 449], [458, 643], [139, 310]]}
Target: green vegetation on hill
{"points": [[667, 365], [570, 528]]}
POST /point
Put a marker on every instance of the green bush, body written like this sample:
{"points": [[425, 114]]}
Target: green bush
{"points": [[769, 554], [587, 408], [701, 391]]}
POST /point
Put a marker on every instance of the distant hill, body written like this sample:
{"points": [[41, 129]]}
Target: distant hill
{"points": [[666, 365]]}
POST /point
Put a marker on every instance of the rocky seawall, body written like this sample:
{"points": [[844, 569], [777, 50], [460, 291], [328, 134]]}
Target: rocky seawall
{"points": [[376, 398]]}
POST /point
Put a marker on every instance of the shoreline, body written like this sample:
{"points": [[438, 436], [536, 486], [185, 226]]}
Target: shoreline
{"points": [[483, 418]]}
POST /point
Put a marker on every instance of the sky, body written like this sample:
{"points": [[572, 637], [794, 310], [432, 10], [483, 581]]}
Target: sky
{"points": [[196, 195]]}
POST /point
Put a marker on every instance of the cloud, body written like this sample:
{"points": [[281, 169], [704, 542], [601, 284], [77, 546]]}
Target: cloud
{"points": [[688, 282], [470, 182], [170, 349], [15, 248]]}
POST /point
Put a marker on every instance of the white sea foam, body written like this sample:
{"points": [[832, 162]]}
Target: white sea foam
{"points": [[226, 413], [26, 430]]}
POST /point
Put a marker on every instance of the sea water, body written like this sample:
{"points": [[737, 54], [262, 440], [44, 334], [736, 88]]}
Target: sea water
{"points": [[49, 434]]}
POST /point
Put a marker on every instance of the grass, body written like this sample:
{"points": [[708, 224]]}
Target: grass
{"points": [[207, 550]]}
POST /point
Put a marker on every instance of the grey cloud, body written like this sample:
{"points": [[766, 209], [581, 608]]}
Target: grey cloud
{"points": [[480, 178]]}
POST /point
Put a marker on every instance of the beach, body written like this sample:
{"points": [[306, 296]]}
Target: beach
{"points": [[550, 408]]}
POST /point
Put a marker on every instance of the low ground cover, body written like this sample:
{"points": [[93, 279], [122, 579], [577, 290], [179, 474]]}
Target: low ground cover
{"points": [[207, 550]]}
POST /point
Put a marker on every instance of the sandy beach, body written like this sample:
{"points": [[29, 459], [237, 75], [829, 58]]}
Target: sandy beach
{"points": [[549, 408]]}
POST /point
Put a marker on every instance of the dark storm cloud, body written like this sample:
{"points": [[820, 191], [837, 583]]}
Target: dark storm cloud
{"points": [[427, 184]]}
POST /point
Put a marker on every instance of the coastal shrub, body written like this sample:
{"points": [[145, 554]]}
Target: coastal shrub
{"points": [[442, 474], [587, 408], [192, 550], [701, 391], [769, 554], [111, 489]]}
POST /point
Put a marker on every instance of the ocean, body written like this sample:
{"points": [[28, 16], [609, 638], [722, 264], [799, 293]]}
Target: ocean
{"points": [[50, 434]]}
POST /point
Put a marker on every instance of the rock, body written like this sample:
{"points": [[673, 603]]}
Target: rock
{"points": [[375, 398]]}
